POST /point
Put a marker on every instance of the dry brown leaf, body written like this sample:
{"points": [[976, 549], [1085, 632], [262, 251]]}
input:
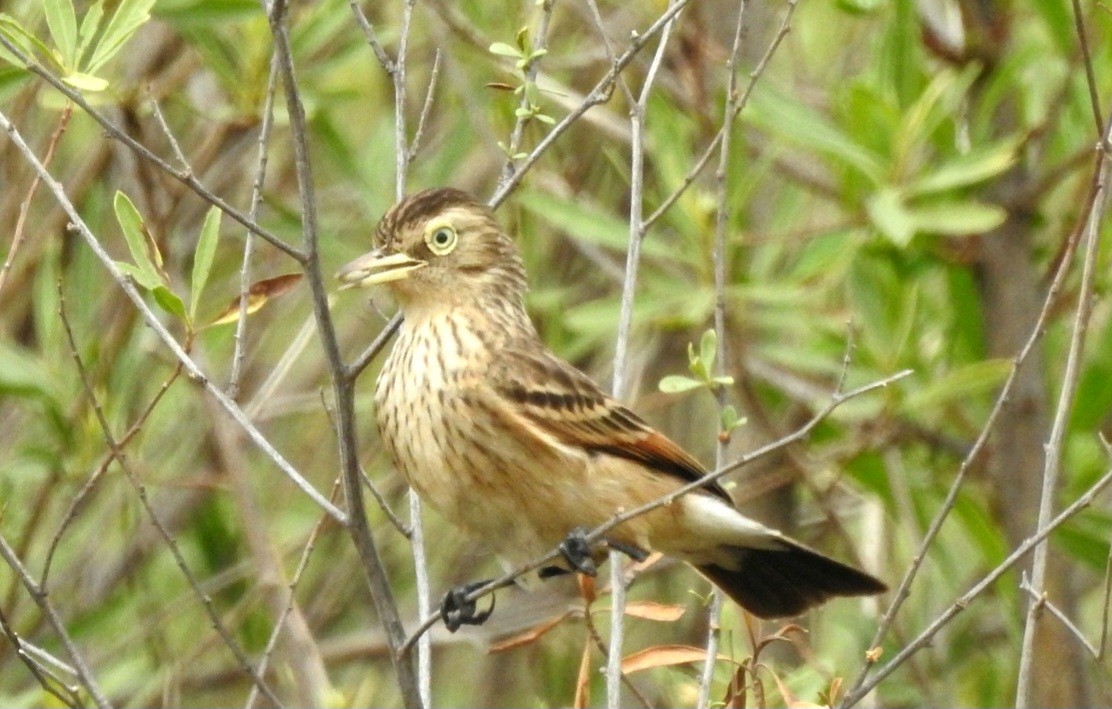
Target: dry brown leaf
{"points": [[528, 636], [737, 691], [665, 656], [258, 295], [651, 610]]}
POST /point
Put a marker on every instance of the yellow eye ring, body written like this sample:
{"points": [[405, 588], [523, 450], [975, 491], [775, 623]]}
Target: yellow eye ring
{"points": [[441, 238]]}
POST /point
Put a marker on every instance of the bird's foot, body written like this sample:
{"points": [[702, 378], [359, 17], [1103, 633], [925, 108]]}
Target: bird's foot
{"points": [[577, 552], [633, 552], [457, 610]]}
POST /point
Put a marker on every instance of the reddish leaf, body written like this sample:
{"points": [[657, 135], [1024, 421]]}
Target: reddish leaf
{"points": [[650, 610], [665, 656], [587, 588], [258, 295], [528, 636]]}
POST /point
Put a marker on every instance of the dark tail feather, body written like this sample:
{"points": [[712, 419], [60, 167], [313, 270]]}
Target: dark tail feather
{"points": [[779, 583]]}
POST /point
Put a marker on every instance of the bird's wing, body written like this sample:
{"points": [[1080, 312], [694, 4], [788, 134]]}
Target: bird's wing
{"points": [[565, 404]]}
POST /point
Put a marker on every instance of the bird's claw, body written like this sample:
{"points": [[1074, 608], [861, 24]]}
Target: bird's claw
{"points": [[458, 610], [576, 550]]}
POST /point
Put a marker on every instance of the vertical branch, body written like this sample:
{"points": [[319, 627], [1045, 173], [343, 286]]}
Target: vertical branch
{"points": [[343, 386], [530, 76], [1056, 442], [722, 213], [253, 214], [621, 353]]}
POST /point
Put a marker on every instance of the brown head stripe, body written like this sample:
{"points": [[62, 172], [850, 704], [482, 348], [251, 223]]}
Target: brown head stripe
{"points": [[418, 207]]}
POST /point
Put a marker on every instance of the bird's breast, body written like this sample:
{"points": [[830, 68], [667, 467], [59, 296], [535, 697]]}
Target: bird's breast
{"points": [[421, 407]]}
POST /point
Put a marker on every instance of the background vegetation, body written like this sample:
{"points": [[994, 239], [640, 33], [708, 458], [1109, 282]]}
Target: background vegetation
{"points": [[911, 184]]}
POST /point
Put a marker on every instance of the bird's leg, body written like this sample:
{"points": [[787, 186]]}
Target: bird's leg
{"points": [[458, 610], [633, 552], [577, 552]]}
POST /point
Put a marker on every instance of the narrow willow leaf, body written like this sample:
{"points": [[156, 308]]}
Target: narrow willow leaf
{"points": [[202, 260], [128, 18], [62, 23], [89, 26], [138, 241], [169, 301]]}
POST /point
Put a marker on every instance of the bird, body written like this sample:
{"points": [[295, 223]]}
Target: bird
{"points": [[517, 448]]}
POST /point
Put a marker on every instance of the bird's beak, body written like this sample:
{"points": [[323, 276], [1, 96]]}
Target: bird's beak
{"points": [[376, 267]]}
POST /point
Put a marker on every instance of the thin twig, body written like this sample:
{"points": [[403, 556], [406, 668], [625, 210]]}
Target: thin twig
{"points": [[739, 105], [598, 533], [79, 498], [50, 682], [599, 94], [529, 76], [25, 205], [191, 367], [722, 213], [303, 562], [174, 145], [372, 38], [426, 109], [1097, 651], [621, 344], [1057, 439], [1087, 60], [384, 505], [239, 353], [144, 499], [924, 638]]}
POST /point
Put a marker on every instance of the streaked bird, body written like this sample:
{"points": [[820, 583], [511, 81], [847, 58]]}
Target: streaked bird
{"points": [[521, 450]]}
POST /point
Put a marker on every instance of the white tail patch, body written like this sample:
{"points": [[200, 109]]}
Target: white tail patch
{"points": [[711, 519]]}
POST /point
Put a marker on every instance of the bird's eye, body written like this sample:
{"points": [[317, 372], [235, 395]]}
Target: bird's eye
{"points": [[441, 239]]}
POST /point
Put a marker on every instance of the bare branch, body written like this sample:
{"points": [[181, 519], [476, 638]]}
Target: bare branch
{"points": [[924, 638], [1056, 443], [599, 94], [240, 352], [722, 213], [343, 387]]}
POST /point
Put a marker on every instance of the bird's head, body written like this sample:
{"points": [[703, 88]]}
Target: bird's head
{"points": [[439, 248]]}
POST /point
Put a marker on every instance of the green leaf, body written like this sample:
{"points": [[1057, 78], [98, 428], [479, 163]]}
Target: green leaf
{"points": [[194, 13], [62, 23], [957, 218], [888, 214], [504, 50], [969, 169], [959, 385], [85, 82], [676, 383], [202, 260], [796, 122], [136, 235], [145, 279], [169, 301], [729, 418], [89, 26], [128, 18], [28, 44]]}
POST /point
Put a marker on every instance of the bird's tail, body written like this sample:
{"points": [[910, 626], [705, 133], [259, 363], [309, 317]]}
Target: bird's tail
{"points": [[787, 580]]}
